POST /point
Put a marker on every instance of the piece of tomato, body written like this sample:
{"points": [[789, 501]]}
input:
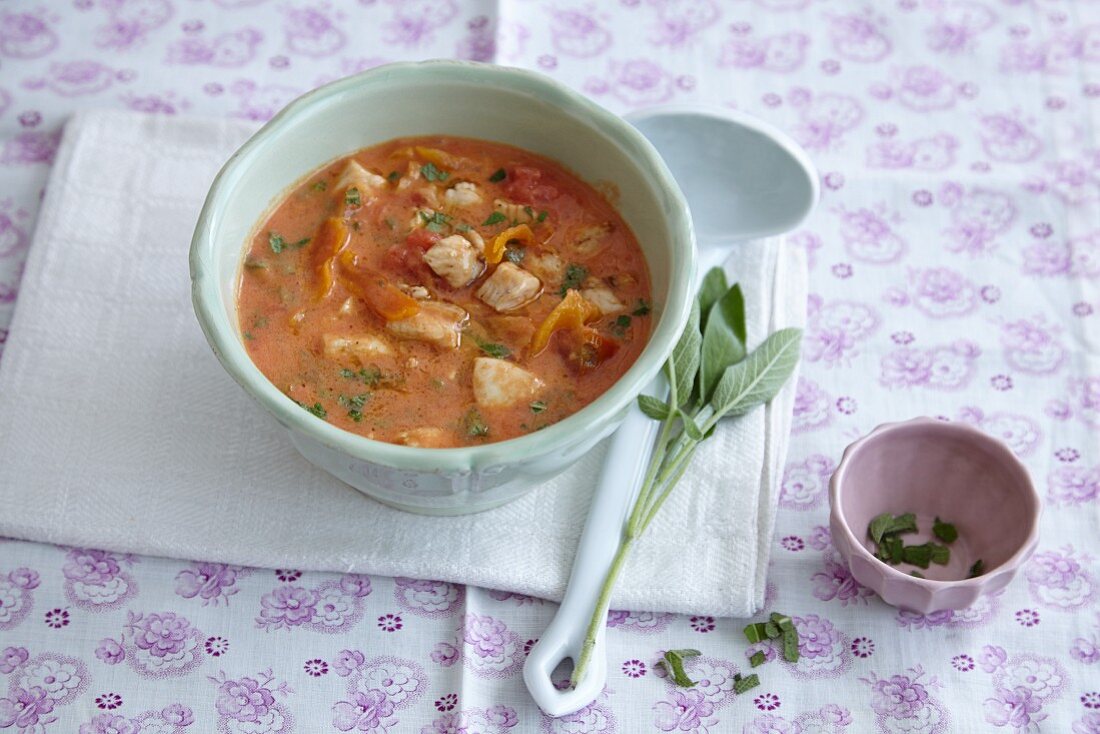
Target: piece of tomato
{"points": [[525, 186], [585, 348], [384, 298]]}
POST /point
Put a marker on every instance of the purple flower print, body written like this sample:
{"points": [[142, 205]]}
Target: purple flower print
{"points": [[957, 26], [61, 677], [286, 607], [402, 681], [1075, 258], [639, 82], [942, 292], [939, 368], [26, 710], [1019, 432], [578, 33], [90, 566], [683, 711], [11, 658], [162, 644], [480, 44], [347, 662], [820, 538], [493, 649], [823, 649], [1085, 651], [178, 715], [389, 623], [26, 36], [1027, 617], [75, 78], [935, 153], [260, 103], [108, 701], [57, 618], [803, 483], [445, 654], [210, 582], [414, 21], [835, 330], [446, 702], [1075, 182], [162, 634], [30, 147], [428, 598], [868, 235], [859, 38], [130, 21], [12, 238], [962, 663], [770, 724], [1006, 138], [109, 724], [992, 658], [1017, 709], [244, 700], [782, 53], [110, 651], [1073, 485], [906, 698], [315, 668], [310, 32], [679, 22], [216, 646], [824, 119], [232, 49], [643, 622], [1042, 676], [1091, 700], [836, 582], [1031, 345], [634, 668], [977, 217], [812, 406], [1088, 724], [924, 88], [702, 624], [1057, 580]]}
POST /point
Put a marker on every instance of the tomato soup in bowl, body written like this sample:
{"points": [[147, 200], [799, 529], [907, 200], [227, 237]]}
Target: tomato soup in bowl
{"points": [[446, 280]]}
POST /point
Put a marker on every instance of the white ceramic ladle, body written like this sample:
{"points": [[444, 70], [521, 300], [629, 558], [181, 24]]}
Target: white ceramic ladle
{"points": [[743, 180]]}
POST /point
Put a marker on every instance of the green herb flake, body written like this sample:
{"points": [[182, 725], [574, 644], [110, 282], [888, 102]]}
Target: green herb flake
{"points": [[276, 242], [495, 350], [782, 621], [248, 336], [494, 218], [475, 424], [945, 531], [393, 177], [976, 570], [574, 276], [918, 555], [790, 645], [755, 632], [389, 222], [747, 683], [757, 659], [941, 554], [251, 263], [673, 662], [462, 227], [319, 186], [498, 175], [538, 406], [529, 212], [355, 415], [352, 197], [916, 574], [317, 409], [432, 173], [771, 630], [347, 374], [542, 216], [620, 325], [879, 525], [642, 309]]}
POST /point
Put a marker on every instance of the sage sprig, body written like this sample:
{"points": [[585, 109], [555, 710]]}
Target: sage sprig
{"points": [[711, 376]]}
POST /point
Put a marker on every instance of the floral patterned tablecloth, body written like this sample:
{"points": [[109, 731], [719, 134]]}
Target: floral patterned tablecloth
{"points": [[955, 271]]}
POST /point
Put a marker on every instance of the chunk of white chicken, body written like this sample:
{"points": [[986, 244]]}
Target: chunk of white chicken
{"points": [[475, 240], [359, 177], [546, 265], [513, 212], [587, 241], [462, 194], [509, 288], [412, 175], [362, 348], [598, 293], [418, 292], [498, 383], [436, 323], [428, 437], [455, 260]]}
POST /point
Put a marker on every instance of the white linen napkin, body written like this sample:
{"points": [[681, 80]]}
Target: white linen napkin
{"points": [[119, 430]]}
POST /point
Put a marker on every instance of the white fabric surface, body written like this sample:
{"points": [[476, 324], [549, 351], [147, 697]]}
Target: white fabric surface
{"points": [[119, 430]]}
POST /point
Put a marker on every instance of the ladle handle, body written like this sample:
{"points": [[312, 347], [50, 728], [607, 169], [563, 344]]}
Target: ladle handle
{"points": [[621, 478]]}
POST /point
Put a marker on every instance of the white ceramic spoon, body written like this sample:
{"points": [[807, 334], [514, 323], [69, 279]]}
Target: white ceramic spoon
{"points": [[743, 179]]}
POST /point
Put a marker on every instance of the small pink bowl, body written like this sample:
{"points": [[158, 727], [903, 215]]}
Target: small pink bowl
{"points": [[935, 469]]}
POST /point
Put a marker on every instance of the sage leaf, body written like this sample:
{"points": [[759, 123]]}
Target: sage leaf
{"points": [[713, 287], [759, 377], [723, 340], [673, 661], [654, 408], [690, 427], [683, 365]]}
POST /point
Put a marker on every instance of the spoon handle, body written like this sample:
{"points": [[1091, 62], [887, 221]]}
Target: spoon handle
{"points": [[620, 479]]}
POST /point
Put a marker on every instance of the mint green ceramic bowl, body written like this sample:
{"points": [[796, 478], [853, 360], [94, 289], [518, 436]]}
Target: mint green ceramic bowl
{"points": [[442, 97]]}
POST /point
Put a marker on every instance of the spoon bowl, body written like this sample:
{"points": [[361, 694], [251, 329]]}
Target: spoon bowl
{"points": [[743, 179]]}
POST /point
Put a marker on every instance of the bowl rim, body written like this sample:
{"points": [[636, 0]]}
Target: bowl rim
{"points": [[221, 334], [1011, 564]]}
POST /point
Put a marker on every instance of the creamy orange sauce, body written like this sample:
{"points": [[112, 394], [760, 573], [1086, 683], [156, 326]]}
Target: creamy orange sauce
{"points": [[350, 305]]}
